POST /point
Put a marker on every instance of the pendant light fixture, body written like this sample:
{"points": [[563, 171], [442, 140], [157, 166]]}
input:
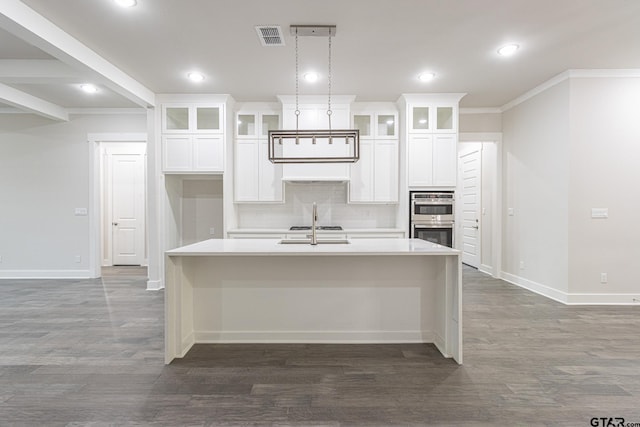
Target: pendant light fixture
{"points": [[280, 139]]}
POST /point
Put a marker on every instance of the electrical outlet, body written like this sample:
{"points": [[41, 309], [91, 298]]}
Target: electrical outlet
{"points": [[78, 259], [603, 278], [212, 231], [0, 259], [510, 211], [521, 265]]}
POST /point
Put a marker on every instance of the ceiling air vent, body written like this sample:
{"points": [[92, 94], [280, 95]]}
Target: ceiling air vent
{"points": [[270, 35]]}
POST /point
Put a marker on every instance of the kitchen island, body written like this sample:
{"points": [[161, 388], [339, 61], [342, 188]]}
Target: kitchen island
{"points": [[264, 291]]}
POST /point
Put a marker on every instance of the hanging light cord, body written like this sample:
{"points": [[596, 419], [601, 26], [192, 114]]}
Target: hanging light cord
{"points": [[297, 112], [329, 112]]}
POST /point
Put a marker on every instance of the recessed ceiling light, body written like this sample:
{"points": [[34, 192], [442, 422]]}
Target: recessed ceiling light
{"points": [[126, 3], [194, 76], [508, 50], [426, 77], [311, 77], [89, 88]]}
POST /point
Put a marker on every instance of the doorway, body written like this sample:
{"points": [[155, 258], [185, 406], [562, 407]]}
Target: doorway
{"points": [[479, 201], [100, 252], [123, 195]]}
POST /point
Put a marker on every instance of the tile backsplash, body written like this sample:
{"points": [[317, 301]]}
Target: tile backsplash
{"points": [[333, 209]]}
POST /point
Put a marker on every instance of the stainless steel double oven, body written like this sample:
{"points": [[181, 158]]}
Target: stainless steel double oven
{"points": [[432, 216]]}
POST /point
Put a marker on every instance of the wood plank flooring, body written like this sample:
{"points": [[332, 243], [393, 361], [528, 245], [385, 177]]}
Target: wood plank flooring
{"points": [[90, 353]]}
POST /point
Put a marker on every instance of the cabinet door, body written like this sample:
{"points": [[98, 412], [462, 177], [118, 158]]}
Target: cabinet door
{"points": [[361, 186], [445, 121], [207, 118], [269, 176], [445, 159], [386, 126], [246, 125], [420, 160], [420, 119], [208, 153], [177, 155], [246, 171], [385, 176], [175, 119]]}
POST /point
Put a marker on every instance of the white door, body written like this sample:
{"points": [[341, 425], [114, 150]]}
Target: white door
{"points": [[469, 163], [126, 194]]}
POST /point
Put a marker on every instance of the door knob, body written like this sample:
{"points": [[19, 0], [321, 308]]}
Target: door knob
{"points": [[476, 227], [114, 223]]}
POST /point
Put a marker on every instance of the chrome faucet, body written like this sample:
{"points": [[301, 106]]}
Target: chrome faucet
{"points": [[314, 221]]}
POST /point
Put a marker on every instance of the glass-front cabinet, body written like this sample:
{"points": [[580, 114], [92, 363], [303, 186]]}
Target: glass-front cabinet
{"points": [[191, 118], [256, 124], [376, 125], [256, 179], [429, 119]]}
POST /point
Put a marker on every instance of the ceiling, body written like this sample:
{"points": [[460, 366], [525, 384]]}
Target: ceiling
{"points": [[379, 49]]}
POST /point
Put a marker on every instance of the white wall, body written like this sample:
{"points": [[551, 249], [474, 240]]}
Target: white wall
{"points": [[605, 173], [535, 186], [333, 209], [44, 176]]}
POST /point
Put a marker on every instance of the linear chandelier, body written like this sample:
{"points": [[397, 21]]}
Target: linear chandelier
{"points": [[303, 145]]}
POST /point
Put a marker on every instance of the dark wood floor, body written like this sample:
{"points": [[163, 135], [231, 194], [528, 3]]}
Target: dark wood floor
{"points": [[90, 352]]}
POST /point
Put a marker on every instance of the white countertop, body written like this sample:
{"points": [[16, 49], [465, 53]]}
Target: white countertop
{"points": [[273, 247], [288, 231]]}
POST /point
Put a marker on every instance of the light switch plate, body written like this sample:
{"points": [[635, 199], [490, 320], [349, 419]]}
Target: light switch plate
{"points": [[510, 211], [81, 211]]}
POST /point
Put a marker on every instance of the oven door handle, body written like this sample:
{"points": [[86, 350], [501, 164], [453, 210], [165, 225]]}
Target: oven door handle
{"points": [[438, 203], [434, 225]]}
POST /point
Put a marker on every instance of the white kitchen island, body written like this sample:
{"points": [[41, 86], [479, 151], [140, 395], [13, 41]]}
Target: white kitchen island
{"points": [[263, 291]]}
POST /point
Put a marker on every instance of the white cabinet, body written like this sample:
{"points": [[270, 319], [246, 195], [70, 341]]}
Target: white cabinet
{"points": [[432, 137], [432, 160], [256, 179], [193, 138], [190, 118], [374, 177], [192, 153]]}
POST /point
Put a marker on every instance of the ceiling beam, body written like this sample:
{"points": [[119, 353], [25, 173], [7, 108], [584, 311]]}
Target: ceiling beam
{"points": [[30, 103], [23, 22], [38, 71]]}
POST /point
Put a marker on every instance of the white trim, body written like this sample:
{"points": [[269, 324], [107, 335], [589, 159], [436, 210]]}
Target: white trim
{"points": [[45, 274], [106, 111], [154, 285], [596, 73], [538, 288], [324, 337], [484, 110], [486, 269], [32, 104], [495, 137], [572, 298]]}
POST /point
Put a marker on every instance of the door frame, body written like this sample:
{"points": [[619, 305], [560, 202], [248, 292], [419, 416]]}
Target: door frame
{"points": [[496, 206], [95, 173]]}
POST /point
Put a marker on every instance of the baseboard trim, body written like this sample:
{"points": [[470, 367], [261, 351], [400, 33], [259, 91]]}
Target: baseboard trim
{"points": [[45, 274], [313, 337], [154, 285], [571, 298]]}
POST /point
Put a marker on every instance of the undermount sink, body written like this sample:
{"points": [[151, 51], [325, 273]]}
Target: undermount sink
{"points": [[308, 242]]}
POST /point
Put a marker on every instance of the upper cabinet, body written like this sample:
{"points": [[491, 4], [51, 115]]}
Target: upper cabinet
{"points": [[431, 136], [256, 179], [193, 136], [433, 118], [184, 118], [375, 176]]}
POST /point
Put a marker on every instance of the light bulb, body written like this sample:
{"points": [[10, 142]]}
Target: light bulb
{"points": [[425, 77], [89, 88], [508, 50], [195, 76], [126, 3]]}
